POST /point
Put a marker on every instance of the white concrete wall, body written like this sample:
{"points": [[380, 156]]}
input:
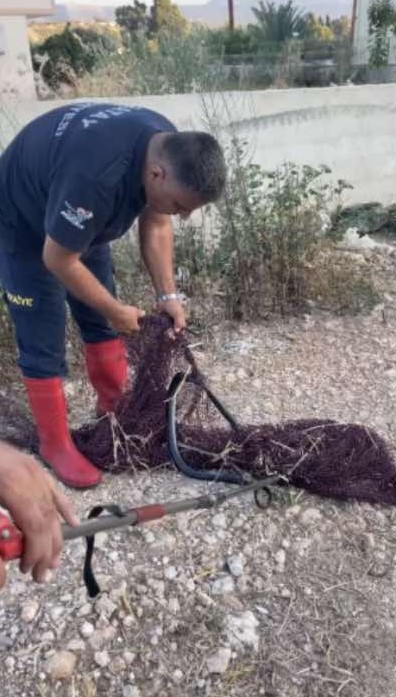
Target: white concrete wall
{"points": [[351, 129], [361, 37], [16, 72]]}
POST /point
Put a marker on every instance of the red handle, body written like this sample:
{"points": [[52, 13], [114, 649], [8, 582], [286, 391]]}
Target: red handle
{"points": [[11, 540]]}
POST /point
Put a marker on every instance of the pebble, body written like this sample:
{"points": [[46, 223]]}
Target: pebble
{"points": [[29, 611], [177, 676], [222, 585], [311, 516], [87, 629], [242, 630], [280, 560], [219, 661], [102, 637], [219, 520], [235, 565], [170, 573], [61, 665], [130, 691], [102, 659]]}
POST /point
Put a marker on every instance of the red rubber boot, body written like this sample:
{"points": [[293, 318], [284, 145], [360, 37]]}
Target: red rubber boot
{"points": [[48, 405], [108, 372]]}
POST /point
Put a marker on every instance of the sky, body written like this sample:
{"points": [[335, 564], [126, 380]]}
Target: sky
{"points": [[116, 3]]}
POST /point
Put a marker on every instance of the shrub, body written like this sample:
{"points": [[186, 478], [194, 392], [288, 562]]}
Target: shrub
{"points": [[63, 57], [267, 237]]}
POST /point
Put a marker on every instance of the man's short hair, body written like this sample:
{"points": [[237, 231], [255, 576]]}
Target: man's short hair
{"points": [[197, 162]]}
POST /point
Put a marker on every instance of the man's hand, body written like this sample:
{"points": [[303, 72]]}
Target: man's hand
{"points": [[35, 505], [175, 310], [125, 318]]}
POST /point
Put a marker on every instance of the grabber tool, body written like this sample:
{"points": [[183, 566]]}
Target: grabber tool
{"points": [[11, 539]]}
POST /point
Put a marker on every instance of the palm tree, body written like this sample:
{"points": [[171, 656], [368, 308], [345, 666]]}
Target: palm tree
{"points": [[278, 24]]}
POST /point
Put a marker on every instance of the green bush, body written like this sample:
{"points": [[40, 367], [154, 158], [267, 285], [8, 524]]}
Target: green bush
{"points": [[261, 256], [76, 51]]}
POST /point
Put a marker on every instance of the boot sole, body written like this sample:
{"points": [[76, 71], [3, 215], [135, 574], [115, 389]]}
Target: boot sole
{"points": [[69, 483]]}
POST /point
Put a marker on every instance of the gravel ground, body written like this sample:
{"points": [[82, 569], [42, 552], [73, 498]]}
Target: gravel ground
{"points": [[294, 601]]}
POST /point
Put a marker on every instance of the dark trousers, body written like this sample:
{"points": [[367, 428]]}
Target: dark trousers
{"points": [[37, 304]]}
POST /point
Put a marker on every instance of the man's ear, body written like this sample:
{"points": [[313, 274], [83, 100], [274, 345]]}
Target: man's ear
{"points": [[157, 172]]}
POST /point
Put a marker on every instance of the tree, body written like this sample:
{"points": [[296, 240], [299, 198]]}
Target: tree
{"points": [[382, 23], [316, 28], [341, 27], [279, 23], [166, 16], [132, 18]]}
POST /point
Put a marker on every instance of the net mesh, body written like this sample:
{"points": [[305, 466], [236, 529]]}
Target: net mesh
{"points": [[331, 459]]}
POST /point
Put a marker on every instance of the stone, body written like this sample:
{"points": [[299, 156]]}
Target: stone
{"points": [[102, 637], [170, 573], [311, 516], [131, 691], [219, 661], [222, 585], [242, 630], [61, 665], [29, 611], [235, 565], [87, 629], [102, 659]]}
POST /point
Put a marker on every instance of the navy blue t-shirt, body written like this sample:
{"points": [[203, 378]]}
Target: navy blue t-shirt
{"points": [[75, 174]]}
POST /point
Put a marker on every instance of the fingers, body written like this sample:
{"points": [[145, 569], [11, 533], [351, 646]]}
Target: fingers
{"points": [[64, 506], [179, 323], [2, 574]]}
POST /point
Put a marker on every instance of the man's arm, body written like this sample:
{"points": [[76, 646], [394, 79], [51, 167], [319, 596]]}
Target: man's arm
{"points": [[35, 504], [79, 281], [156, 245]]}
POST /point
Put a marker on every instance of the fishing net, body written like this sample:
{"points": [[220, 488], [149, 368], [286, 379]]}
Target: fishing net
{"points": [[332, 459]]}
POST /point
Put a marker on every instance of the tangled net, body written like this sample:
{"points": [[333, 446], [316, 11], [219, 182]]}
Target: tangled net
{"points": [[343, 461]]}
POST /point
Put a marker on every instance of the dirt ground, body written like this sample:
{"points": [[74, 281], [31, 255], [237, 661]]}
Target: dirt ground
{"points": [[294, 601]]}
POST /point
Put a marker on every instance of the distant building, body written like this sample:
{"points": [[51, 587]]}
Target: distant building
{"points": [[16, 72], [361, 36]]}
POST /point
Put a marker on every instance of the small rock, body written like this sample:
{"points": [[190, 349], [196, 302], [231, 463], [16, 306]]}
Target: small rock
{"points": [[87, 629], [178, 676], [218, 663], [9, 663], [129, 657], [130, 691], [29, 611], [105, 606], [219, 520], [102, 659], [61, 665], [75, 645], [173, 606], [170, 573], [235, 565], [102, 540], [222, 585], [149, 537], [84, 610], [102, 637], [57, 612], [310, 516], [280, 560], [242, 630]]}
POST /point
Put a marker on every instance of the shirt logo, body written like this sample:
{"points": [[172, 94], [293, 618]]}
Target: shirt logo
{"points": [[76, 216], [19, 300]]}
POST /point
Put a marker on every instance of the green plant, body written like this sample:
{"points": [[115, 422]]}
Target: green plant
{"points": [[279, 23], [260, 252], [64, 57], [382, 23]]}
